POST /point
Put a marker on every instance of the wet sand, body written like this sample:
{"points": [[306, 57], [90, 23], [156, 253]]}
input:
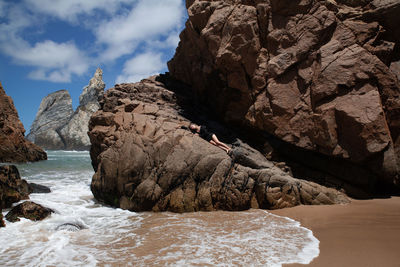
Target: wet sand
{"points": [[362, 233]]}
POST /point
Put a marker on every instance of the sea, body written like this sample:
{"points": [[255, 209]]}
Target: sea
{"points": [[83, 232]]}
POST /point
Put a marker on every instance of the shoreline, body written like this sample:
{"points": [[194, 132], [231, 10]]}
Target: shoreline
{"points": [[361, 233]]}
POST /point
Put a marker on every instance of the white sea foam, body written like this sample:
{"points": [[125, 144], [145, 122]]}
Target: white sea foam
{"points": [[118, 237]]}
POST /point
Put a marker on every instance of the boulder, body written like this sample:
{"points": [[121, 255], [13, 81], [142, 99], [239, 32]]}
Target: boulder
{"points": [[318, 75], [55, 111], [38, 188], [28, 210], [145, 159], [12, 187], [14, 147]]}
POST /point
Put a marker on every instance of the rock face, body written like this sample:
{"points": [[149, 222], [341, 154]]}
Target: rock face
{"points": [[319, 75], [12, 187], [28, 210], [144, 160], [57, 126], [14, 147], [55, 111], [74, 133]]}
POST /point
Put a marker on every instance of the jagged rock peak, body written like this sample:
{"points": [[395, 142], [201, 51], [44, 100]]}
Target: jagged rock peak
{"points": [[14, 147], [74, 132], [92, 91], [57, 126], [55, 111]]}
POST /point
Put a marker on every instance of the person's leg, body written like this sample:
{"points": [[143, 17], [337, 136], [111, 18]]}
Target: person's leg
{"points": [[216, 140], [218, 145]]}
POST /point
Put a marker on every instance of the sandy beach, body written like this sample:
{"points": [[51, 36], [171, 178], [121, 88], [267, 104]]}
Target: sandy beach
{"points": [[362, 233]]}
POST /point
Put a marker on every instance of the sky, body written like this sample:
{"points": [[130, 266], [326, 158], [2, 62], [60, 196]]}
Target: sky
{"points": [[49, 45]]}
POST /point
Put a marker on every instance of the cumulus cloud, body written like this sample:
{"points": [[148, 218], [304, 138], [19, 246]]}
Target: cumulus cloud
{"points": [[53, 61], [119, 28], [56, 62], [71, 9], [140, 67], [148, 20]]}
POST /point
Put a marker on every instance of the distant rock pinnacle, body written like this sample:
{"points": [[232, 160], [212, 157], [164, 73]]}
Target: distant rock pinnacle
{"points": [[58, 127]]}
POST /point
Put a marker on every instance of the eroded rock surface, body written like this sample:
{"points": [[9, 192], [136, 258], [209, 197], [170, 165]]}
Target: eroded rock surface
{"points": [[29, 210], [144, 160], [321, 75], [13, 146]]}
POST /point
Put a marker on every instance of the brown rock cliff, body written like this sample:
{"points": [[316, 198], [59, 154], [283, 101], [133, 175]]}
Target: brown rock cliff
{"points": [[319, 75], [13, 146], [144, 160]]}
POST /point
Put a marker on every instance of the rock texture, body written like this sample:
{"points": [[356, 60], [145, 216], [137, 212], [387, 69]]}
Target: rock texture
{"points": [[28, 210], [319, 75], [2, 224], [57, 126], [144, 160], [12, 187], [54, 112], [74, 133], [13, 146]]}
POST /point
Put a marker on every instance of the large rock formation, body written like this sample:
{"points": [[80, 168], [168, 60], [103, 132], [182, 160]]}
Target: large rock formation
{"points": [[144, 159], [13, 146], [74, 133], [54, 112], [57, 126], [319, 75]]}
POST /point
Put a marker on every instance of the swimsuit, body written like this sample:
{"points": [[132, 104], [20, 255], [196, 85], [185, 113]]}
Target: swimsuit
{"points": [[205, 134]]}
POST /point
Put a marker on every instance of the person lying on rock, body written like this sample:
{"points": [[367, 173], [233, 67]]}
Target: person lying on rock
{"points": [[203, 132]]}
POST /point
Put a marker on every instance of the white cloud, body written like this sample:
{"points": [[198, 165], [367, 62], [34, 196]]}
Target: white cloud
{"points": [[121, 28], [148, 20], [70, 10], [2, 8], [140, 67], [52, 61], [56, 62]]}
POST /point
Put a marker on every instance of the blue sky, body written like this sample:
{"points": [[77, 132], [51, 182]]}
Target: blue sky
{"points": [[49, 45]]}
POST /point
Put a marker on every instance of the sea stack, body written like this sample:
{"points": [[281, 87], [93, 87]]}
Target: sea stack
{"points": [[14, 147], [55, 111], [74, 133], [58, 127]]}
